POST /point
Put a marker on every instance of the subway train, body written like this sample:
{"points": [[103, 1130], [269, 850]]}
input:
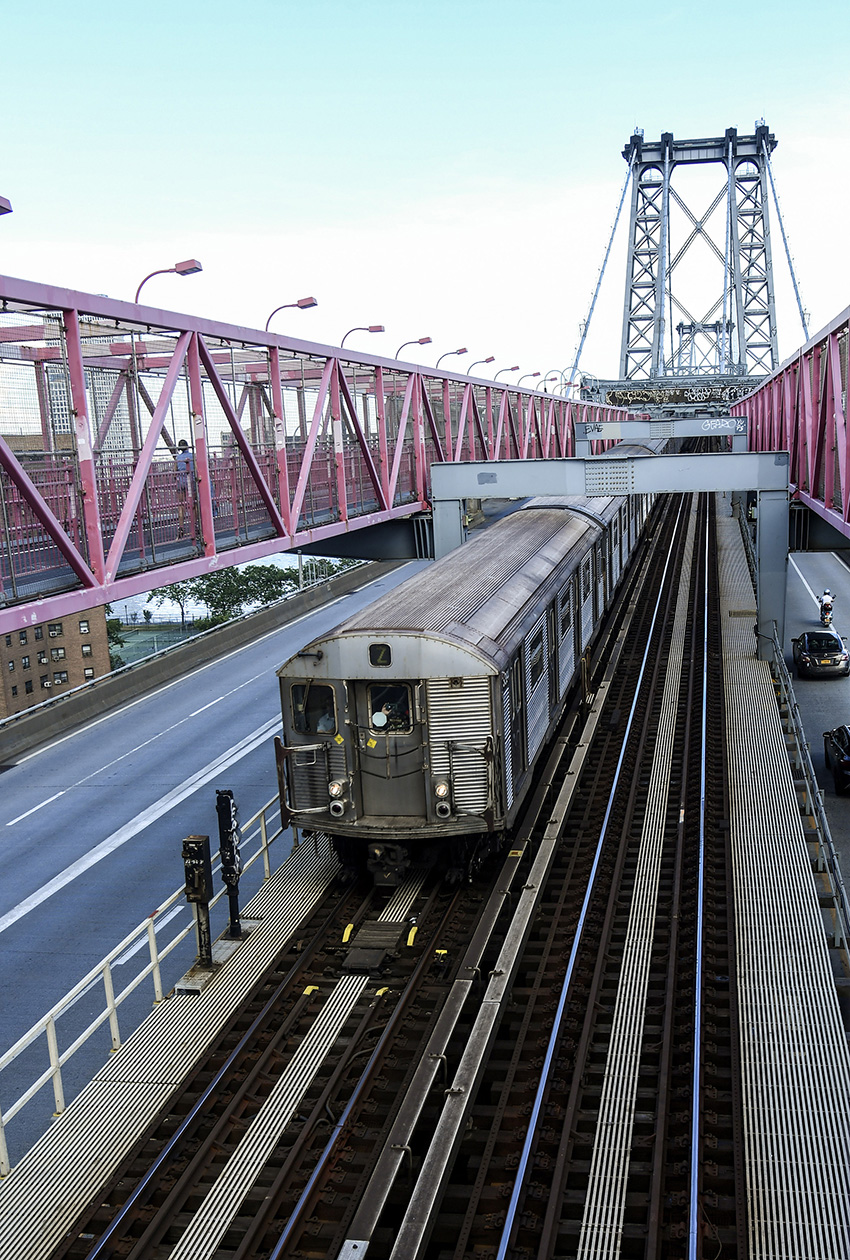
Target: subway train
{"points": [[411, 731]]}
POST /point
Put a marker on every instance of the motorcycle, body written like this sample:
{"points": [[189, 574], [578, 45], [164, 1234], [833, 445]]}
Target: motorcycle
{"points": [[826, 613]]}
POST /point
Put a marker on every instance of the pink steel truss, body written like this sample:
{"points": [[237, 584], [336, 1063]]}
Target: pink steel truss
{"points": [[802, 409], [290, 443]]}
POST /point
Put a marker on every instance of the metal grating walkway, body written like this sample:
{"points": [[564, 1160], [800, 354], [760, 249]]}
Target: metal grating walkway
{"points": [[795, 1061], [41, 1197]]}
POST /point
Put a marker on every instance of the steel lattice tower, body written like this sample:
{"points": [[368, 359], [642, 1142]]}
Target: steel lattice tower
{"points": [[732, 332]]}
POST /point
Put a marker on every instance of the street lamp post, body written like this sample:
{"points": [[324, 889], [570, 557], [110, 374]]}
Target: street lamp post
{"points": [[545, 381], [303, 304], [186, 268], [525, 377], [490, 359], [515, 368], [462, 350], [418, 341], [362, 328]]}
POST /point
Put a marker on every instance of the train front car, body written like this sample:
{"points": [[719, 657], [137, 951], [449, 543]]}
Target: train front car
{"points": [[389, 745]]}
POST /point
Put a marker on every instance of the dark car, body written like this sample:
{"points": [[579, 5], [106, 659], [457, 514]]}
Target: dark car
{"points": [[836, 752], [820, 654]]}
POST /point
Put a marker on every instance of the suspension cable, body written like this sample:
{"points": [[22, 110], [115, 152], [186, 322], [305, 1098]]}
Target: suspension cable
{"points": [[586, 328], [803, 320]]}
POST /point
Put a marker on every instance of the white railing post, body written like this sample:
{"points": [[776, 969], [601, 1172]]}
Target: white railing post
{"points": [[157, 978], [264, 843], [5, 1166], [55, 1066], [111, 1007]]}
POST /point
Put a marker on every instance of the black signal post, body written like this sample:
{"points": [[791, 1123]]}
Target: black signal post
{"points": [[231, 858], [199, 890]]}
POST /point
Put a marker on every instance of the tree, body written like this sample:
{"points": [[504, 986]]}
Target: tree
{"points": [[179, 593], [115, 639], [226, 593]]}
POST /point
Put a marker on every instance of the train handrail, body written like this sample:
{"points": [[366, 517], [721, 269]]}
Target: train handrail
{"points": [[264, 835]]}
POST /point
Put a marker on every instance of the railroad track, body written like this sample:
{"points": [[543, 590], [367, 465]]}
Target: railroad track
{"points": [[542, 1065]]}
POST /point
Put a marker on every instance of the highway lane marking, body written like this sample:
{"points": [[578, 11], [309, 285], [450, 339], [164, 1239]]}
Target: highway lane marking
{"points": [[132, 751], [200, 669], [121, 960], [35, 808], [148, 816]]}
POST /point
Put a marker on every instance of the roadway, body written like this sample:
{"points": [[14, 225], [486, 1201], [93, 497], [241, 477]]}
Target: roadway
{"points": [[823, 702], [92, 826]]}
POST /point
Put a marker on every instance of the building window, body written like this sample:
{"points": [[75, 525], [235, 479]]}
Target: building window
{"points": [[22, 635], [39, 632], [8, 640], [14, 692], [87, 649], [60, 676], [45, 681], [28, 687], [57, 654], [54, 629], [25, 662], [42, 658], [88, 672], [84, 627], [11, 667]]}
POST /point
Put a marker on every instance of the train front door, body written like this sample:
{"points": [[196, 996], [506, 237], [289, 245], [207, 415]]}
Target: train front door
{"points": [[392, 758]]}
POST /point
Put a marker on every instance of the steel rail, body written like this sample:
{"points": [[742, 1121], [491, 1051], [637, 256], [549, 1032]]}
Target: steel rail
{"points": [[511, 1214], [210, 1091]]}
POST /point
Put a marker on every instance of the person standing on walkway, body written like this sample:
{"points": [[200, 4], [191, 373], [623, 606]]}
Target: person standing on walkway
{"points": [[185, 461]]}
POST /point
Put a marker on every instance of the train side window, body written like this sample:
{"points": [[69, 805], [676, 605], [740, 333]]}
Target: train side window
{"points": [[566, 612], [535, 659], [390, 708], [585, 579], [313, 709]]}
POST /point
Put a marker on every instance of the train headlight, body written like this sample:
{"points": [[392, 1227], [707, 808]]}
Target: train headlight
{"points": [[336, 789], [441, 789]]}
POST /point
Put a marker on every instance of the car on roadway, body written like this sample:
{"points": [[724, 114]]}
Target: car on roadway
{"points": [[821, 654], [836, 753]]}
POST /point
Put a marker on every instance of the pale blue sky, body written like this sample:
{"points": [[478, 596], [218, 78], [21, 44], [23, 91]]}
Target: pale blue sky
{"points": [[449, 169]]}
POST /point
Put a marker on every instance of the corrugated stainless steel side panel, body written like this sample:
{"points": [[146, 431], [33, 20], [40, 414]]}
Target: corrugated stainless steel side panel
{"points": [[566, 641], [460, 720], [537, 704], [506, 739], [310, 772]]}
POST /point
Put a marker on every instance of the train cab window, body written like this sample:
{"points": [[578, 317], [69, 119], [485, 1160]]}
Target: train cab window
{"points": [[566, 613], [390, 708], [313, 709], [585, 579], [380, 654]]}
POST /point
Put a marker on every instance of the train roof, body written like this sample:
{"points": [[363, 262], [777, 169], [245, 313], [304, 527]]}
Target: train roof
{"points": [[474, 594]]}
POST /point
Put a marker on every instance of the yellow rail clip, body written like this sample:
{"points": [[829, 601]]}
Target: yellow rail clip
{"points": [[311, 988], [411, 936], [347, 933]]}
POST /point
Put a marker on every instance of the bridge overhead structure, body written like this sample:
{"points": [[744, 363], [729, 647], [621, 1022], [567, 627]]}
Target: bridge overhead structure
{"points": [[293, 443], [802, 408]]}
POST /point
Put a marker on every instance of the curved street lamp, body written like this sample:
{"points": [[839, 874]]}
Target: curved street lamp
{"points": [[419, 341], [186, 268], [303, 304], [545, 380], [462, 350], [515, 368], [362, 328], [490, 359], [525, 378]]}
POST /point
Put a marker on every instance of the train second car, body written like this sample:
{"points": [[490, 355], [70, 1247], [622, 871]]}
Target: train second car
{"points": [[411, 731]]}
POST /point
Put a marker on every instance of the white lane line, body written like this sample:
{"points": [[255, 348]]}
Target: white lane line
{"points": [[132, 751], [21, 817], [815, 598], [200, 669], [120, 837]]}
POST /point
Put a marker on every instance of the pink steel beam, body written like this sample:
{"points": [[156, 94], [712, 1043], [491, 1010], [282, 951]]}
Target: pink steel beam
{"points": [[801, 408], [85, 455], [143, 467]]}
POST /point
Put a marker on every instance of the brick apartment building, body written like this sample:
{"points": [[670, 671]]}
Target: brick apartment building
{"points": [[50, 659]]}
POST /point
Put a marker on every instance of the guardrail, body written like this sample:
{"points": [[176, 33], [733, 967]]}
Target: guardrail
{"points": [[264, 834]]}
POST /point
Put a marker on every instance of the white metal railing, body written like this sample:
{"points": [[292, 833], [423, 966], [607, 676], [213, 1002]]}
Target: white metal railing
{"points": [[264, 834]]}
